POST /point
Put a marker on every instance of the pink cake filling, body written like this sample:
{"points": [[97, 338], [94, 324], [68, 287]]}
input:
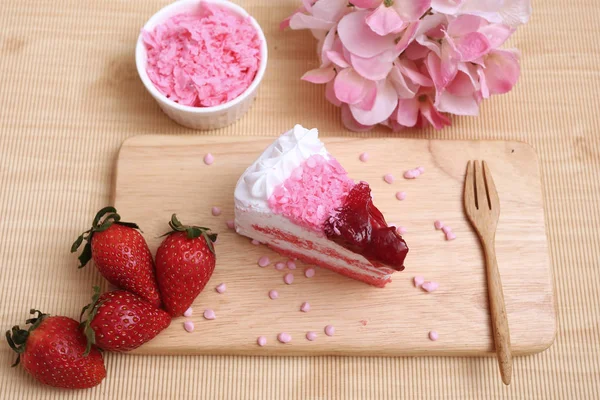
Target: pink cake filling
{"points": [[205, 58], [312, 192]]}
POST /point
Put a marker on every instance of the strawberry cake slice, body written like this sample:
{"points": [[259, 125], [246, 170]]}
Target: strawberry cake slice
{"points": [[299, 200]]}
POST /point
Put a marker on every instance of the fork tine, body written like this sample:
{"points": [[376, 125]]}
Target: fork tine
{"points": [[469, 190], [491, 188], [480, 192]]}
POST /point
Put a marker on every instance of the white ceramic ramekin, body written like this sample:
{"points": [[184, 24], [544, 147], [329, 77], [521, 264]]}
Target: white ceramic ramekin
{"points": [[200, 117]]}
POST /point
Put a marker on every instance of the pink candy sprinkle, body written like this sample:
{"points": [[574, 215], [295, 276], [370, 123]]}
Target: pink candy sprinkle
{"points": [[421, 169], [209, 314], [288, 279], [262, 341], [329, 330], [209, 159], [412, 174], [221, 288], [438, 225], [305, 307], [389, 178], [255, 242], [446, 229], [230, 224], [418, 281], [273, 294], [216, 211], [309, 273], [311, 336], [284, 337], [279, 266], [188, 326], [364, 157], [401, 230], [450, 236], [291, 264], [430, 286], [433, 335], [188, 312], [263, 261], [401, 195]]}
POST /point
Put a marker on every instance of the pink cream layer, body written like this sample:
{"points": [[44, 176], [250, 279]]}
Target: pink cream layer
{"points": [[312, 192], [204, 58]]}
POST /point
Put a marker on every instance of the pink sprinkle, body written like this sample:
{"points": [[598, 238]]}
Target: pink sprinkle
{"points": [[389, 178], [305, 307], [438, 224], [411, 174], [311, 336], [311, 162], [216, 211], [401, 195], [421, 169], [273, 294], [446, 229], [430, 286], [309, 273], [188, 326], [363, 322], [291, 264], [329, 330], [263, 261], [209, 159], [230, 224], [433, 335], [209, 314], [418, 281], [221, 288], [364, 157], [255, 242], [284, 337], [188, 312], [401, 230], [280, 266], [288, 279], [450, 236], [262, 341]]}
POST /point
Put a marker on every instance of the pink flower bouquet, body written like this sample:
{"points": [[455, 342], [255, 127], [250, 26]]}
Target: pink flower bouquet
{"points": [[410, 63]]}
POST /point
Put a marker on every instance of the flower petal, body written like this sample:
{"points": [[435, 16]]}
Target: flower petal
{"points": [[405, 89], [515, 12], [411, 10], [305, 21], [337, 59], [448, 7], [461, 85], [368, 102], [437, 120], [286, 22], [350, 87], [442, 72], [407, 37], [359, 39], [330, 10], [407, 112], [465, 24], [501, 71], [319, 75], [375, 68], [496, 34], [385, 20], [385, 104], [410, 70], [457, 105], [326, 46], [330, 94], [366, 3], [351, 123], [472, 46]]}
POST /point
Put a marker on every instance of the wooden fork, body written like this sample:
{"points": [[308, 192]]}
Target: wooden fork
{"points": [[482, 207]]}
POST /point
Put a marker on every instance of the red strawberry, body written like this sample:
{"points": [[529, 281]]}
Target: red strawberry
{"points": [[121, 255], [122, 321], [52, 351], [185, 261]]}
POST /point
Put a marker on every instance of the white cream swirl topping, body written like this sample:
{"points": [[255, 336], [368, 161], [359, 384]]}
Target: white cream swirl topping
{"points": [[276, 164]]}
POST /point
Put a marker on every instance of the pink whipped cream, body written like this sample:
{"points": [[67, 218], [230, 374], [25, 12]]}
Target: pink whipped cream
{"points": [[204, 58], [312, 192]]}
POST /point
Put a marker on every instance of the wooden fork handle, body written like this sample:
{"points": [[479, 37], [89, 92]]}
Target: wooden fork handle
{"points": [[498, 312]]}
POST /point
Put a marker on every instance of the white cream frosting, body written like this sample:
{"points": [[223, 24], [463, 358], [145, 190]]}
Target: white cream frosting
{"points": [[275, 165]]}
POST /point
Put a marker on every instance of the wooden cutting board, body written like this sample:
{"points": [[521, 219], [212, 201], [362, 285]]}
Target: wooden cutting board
{"points": [[160, 175]]}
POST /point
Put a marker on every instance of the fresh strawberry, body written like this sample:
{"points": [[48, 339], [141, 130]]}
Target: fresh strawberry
{"points": [[122, 321], [53, 349], [185, 261], [121, 255]]}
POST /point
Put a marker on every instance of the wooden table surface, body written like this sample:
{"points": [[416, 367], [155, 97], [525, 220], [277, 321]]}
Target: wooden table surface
{"points": [[69, 96]]}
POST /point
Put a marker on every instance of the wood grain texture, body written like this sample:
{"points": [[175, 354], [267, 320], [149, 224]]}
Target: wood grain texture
{"points": [[70, 96], [160, 175]]}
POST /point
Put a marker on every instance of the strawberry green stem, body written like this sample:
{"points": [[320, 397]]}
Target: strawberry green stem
{"points": [[17, 337], [193, 232], [92, 310]]}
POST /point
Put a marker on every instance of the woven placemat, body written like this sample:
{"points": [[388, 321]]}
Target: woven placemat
{"points": [[70, 95]]}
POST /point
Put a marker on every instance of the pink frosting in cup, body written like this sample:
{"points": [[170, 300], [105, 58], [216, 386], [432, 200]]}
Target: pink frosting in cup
{"points": [[204, 58]]}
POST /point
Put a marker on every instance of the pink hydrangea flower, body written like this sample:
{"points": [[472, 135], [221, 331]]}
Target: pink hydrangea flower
{"points": [[410, 63]]}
